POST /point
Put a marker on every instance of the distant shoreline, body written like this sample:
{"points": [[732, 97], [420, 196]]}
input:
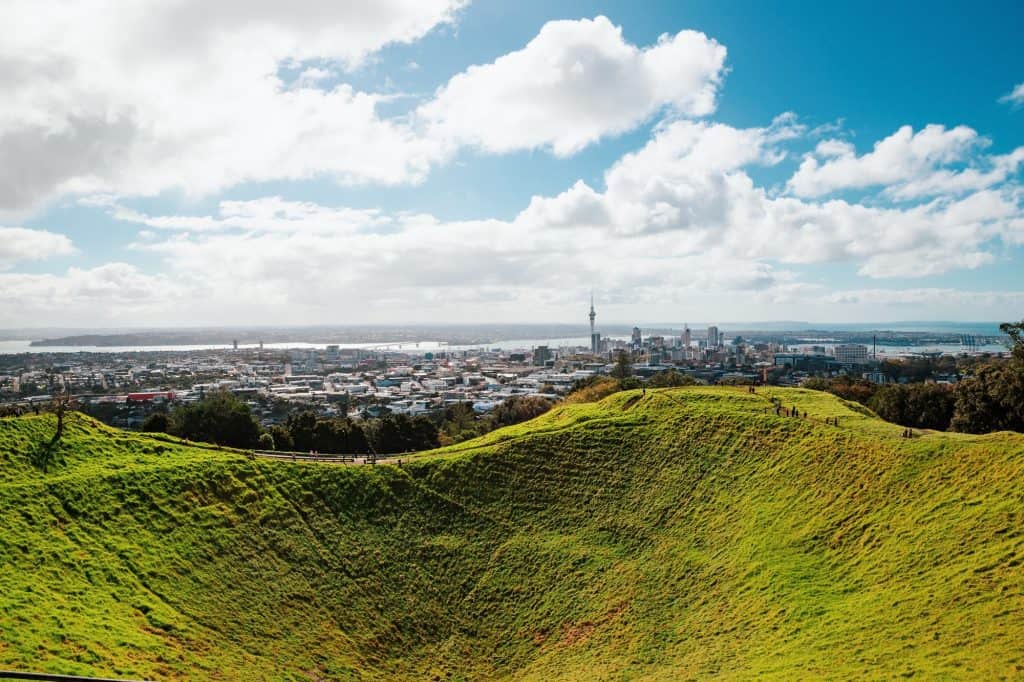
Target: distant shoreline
{"points": [[463, 335]]}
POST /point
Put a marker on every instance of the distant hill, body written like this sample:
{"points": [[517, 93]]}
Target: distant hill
{"points": [[678, 534]]}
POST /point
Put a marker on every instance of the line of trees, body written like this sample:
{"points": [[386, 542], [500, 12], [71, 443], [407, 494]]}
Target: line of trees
{"points": [[990, 399], [224, 419]]}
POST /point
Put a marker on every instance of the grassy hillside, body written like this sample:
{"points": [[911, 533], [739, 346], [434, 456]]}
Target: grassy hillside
{"points": [[684, 533]]}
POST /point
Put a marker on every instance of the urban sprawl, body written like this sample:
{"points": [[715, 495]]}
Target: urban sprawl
{"points": [[123, 389]]}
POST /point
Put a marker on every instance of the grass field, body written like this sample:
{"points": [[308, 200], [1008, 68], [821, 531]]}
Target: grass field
{"points": [[684, 533]]}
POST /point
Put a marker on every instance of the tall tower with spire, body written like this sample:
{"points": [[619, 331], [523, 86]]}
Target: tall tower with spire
{"points": [[592, 313]]}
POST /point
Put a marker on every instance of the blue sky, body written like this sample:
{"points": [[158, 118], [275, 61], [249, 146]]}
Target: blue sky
{"points": [[494, 161]]}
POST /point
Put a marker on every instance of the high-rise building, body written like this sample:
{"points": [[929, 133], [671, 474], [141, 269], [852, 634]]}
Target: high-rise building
{"points": [[637, 337], [686, 336], [595, 338], [714, 341]]}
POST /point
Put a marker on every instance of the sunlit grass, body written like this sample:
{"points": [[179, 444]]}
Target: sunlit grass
{"points": [[682, 533]]}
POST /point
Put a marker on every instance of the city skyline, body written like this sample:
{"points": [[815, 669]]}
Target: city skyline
{"points": [[472, 162]]}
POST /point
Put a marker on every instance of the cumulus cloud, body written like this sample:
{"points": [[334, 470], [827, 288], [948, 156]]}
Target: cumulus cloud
{"points": [[176, 94], [573, 84], [687, 191], [989, 171], [112, 104], [680, 217], [19, 244], [139, 98], [1015, 96], [902, 157], [305, 262], [110, 293]]}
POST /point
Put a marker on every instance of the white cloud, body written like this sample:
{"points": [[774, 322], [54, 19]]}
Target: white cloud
{"points": [[935, 300], [679, 222], [992, 170], [574, 83], [313, 76], [111, 293], [686, 192], [19, 244], [1015, 96], [268, 214], [902, 157], [137, 98], [134, 100]]}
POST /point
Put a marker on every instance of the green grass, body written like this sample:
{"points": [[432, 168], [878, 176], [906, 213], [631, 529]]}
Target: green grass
{"points": [[685, 533]]}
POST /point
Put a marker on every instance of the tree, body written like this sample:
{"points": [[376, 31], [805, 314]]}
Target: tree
{"points": [[158, 422], [423, 434], [459, 422], [282, 437], [858, 390], [301, 426], [219, 418], [266, 441], [922, 406], [518, 409], [623, 366], [670, 379], [61, 403], [1015, 330], [387, 435], [396, 433], [328, 436], [592, 391], [991, 400]]}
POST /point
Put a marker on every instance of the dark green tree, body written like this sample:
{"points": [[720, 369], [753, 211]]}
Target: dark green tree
{"points": [[922, 406], [301, 426], [518, 409], [158, 422], [991, 400], [219, 418], [395, 433], [387, 435], [423, 434], [282, 437]]}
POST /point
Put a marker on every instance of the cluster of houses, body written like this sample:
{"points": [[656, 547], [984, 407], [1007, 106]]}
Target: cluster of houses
{"points": [[124, 388]]}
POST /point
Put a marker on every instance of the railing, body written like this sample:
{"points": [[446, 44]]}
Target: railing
{"points": [[306, 457], [53, 677]]}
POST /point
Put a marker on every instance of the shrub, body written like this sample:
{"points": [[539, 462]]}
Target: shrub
{"points": [[158, 422], [595, 390]]}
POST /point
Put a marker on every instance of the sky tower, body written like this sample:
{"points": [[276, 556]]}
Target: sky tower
{"points": [[595, 338]]}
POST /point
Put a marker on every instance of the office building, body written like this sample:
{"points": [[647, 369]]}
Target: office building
{"points": [[851, 354]]}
